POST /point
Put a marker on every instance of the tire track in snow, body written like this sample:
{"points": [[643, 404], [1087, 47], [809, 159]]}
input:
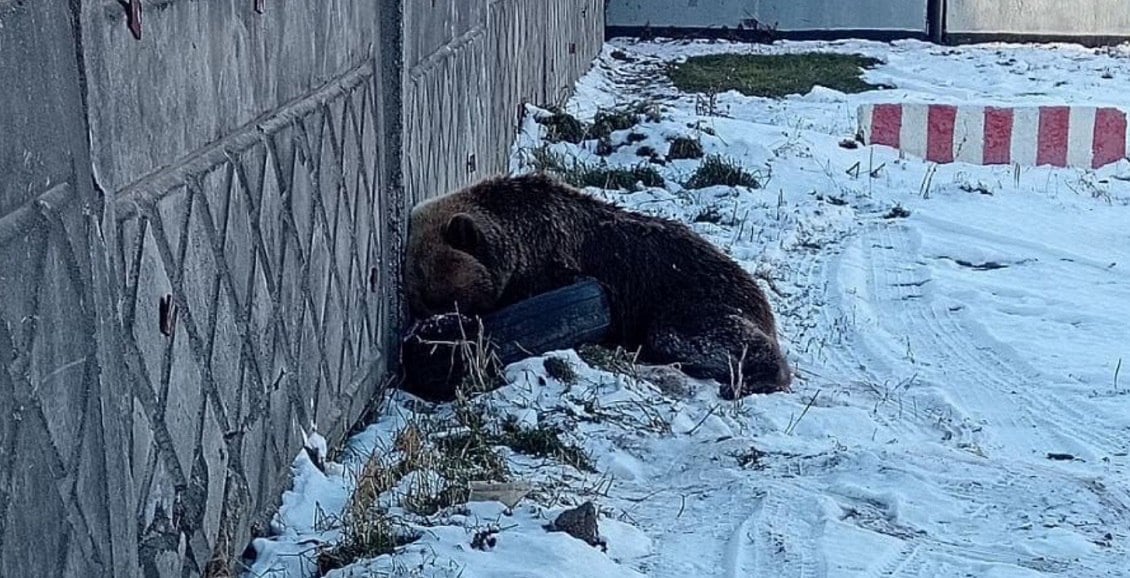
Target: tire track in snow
{"points": [[908, 562], [958, 515], [1009, 394], [781, 538], [993, 239], [1007, 361], [1062, 425], [957, 354], [861, 356]]}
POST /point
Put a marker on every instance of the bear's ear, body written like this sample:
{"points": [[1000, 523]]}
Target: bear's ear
{"points": [[463, 233]]}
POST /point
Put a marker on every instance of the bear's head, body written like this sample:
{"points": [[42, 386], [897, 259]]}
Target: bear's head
{"points": [[453, 260]]}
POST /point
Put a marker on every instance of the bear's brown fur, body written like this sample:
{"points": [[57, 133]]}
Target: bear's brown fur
{"points": [[672, 294]]}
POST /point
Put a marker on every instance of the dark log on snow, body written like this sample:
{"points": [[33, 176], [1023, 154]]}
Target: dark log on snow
{"points": [[440, 352]]}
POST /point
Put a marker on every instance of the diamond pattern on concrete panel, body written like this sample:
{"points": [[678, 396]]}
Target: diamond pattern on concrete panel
{"points": [[88, 503], [201, 270], [266, 249], [60, 354], [150, 284], [253, 458], [260, 305], [271, 208], [34, 498], [8, 429], [184, 400], [47, 362], [238, 239], [215, 454], [225, 357]]}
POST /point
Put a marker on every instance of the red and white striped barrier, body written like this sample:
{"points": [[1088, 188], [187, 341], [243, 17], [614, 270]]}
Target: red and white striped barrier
{"points": [[1061, 136]]}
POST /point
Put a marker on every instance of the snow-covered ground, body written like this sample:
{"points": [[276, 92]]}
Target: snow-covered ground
{"points": [[958, 409]]}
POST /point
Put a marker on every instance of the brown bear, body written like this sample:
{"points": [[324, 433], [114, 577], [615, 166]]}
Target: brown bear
{"points": [[673, 296]]}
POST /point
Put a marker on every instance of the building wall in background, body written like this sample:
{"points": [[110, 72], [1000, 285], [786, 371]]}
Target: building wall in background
{"points": [[1094, 21], [953, 21], [787, 16]]}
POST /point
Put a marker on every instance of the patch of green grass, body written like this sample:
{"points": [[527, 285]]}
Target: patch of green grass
{"points": [[605, 177], [604, 147], [635, 137], [751, 458], [647, 109], [545, 160], [564, 127], [772, 75], [897, 212], [469, 456], [372, 536], [366, 530], [718, 170]]}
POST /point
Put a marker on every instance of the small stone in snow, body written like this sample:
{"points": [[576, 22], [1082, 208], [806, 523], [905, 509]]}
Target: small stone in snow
{"points": [[1060, 457], [580, 523]]}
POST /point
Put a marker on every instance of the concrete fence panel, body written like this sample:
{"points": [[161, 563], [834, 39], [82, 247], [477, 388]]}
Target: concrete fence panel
{"points": [[1092, 21], [815, 17], [468, 65], [203, 69], [270, 244], [201, 233], [199, 247], [951, 21], [65, 491]]}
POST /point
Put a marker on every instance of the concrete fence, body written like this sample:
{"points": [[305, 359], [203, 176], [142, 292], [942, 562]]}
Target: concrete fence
{"points": [[468, 67], [815, 18], [200, 242], [1086, 21], [953, 21]]}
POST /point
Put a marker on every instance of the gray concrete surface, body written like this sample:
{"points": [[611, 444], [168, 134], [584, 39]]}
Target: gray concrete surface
{"points": [[1084, 18], [64, 484], [40, 98], [252, 168], [786, 15], [468, 67], [266, 240], [1087, 21]]}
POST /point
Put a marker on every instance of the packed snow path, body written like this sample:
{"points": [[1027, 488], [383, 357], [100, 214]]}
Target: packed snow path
{"points": [[962, 405]]}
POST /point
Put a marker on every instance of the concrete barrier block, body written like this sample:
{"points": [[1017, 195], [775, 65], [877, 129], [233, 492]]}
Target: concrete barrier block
{"points": [[1060, 136]]}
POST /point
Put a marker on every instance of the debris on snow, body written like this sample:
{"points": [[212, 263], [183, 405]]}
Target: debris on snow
{"points": [[580, 523]]}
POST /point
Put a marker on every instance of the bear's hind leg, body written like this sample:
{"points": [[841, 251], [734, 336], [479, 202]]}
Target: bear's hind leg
{"points": [[725, 347]]}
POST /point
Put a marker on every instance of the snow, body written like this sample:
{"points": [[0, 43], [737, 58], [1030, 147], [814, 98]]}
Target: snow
{"points": [[958, 408]]}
